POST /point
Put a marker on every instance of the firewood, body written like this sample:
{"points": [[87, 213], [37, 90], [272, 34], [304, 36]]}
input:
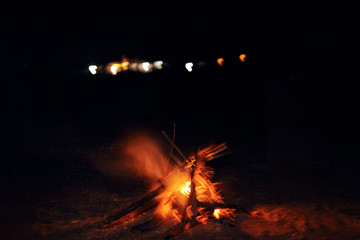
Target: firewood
{"points": [[122, 212], [175, 147]]}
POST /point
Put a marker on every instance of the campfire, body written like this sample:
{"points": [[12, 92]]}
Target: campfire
{"points": [[185, 194]]}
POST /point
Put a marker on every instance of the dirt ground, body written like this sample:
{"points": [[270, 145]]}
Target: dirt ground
{"points": [[288, 206]]}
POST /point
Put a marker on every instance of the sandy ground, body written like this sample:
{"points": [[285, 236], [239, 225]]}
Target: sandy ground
{"points": [[287, 206]]}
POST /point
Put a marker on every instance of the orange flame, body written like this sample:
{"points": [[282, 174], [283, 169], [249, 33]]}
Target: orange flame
{"points": [[174, 200], [224, 212]]}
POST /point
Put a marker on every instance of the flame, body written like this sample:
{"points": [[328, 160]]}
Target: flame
{"points": [[186, 190], [173, 202], [224, 212], [216, 213], [141, 155]]}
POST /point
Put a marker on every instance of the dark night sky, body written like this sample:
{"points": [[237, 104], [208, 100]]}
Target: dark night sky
{"points": [[301, 80], [73, 30]]}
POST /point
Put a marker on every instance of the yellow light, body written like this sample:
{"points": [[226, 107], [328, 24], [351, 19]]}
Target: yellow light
{"points": [[189, 66], [115, 68], [242, 57], [125, 66], [92, 69], [186, 190], [216, 213], [220, 61]]}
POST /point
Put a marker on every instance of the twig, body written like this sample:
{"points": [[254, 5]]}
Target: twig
{"points": [[173, 141], [172, 148], [175, 147], [122, 212]]}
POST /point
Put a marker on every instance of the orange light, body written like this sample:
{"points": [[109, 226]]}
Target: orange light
{"points": [[242, 57], [220, 61], [224, 212], [115, 67], [216, 213]]}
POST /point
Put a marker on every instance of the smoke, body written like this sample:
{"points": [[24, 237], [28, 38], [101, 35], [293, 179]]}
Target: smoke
{"points": [[144, 157], [137, 155]]}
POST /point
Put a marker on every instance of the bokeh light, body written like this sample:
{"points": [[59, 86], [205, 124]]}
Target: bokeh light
{"points": [[92, 69], [158, 64], [220, 61], [242, 57], [189, 66]]}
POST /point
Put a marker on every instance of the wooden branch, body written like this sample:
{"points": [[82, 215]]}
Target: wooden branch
{"points": [[122, 212], [175, 147], [134, 214]]}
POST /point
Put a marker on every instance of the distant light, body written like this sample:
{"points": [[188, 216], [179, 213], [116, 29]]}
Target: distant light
{"points": [[220, 61], [201, 63], [146, 66], [125, 66], [134, 66], [242, 57], [92, 69], [115, 68], [158, 64], [189, 66]]}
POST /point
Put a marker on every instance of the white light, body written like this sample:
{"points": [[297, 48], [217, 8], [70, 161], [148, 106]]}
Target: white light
{"points": [[189, 66], [146, 66], [158, 64], [114, 69], [92, 69]]}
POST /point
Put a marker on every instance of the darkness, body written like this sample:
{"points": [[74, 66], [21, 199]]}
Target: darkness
{"points": [[292, 105]]}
